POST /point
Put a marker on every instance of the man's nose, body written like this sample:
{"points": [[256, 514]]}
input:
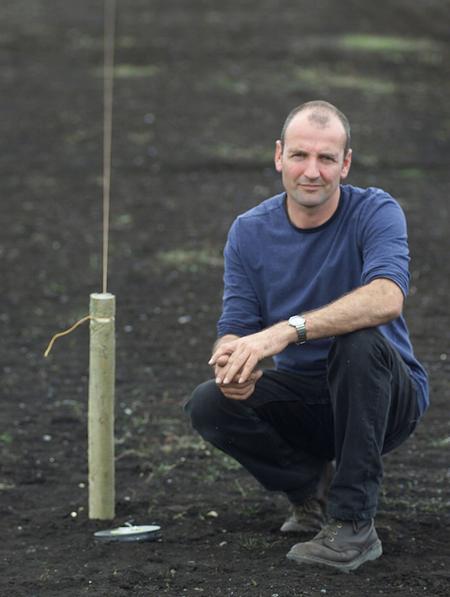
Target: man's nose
{"points": [[311, 170]]}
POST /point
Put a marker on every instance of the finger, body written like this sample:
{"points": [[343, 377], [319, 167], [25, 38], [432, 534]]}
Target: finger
{"points": [[248, 369], [220, 373], [232, 395], [239, 397], [246, 394], [256, 375], [219, 370], [222, 360], [225, 349], [232, 370], [229, 393], [236, 362], [234, 386]]}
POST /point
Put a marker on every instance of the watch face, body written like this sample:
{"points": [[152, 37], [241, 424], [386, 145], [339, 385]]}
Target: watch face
{"points": [[296, 320], [299, 323]]}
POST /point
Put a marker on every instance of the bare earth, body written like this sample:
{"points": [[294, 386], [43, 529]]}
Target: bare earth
{"points": [[201, 89]]}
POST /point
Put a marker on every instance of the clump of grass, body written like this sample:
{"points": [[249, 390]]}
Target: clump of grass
{"points": [[132, 71], [442, 442], [385, 43], [254, 544], [411, 173], [320, 77], [231, 84], [6, 438], [190, 259], [140, 137]]}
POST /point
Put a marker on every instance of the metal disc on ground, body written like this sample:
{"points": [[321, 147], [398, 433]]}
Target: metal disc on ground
{"points": [[130, 533]]}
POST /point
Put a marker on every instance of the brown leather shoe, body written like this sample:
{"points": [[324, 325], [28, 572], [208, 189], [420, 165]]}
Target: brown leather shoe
{"points": [[340, 544]]}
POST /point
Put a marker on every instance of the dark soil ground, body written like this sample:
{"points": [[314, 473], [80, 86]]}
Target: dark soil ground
{"points": [[201, 89]]}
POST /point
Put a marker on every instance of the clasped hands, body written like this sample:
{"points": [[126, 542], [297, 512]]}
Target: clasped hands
{"points": [[235, 362]]}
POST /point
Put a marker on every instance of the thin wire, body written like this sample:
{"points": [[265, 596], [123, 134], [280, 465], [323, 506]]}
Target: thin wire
{"points": [[108, 85], [60, 334]]}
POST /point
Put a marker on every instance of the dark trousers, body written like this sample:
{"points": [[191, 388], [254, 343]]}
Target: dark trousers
{"points": [[294, 424]]}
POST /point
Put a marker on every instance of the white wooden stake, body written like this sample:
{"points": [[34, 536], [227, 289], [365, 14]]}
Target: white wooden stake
{"points": [[101, 407]]}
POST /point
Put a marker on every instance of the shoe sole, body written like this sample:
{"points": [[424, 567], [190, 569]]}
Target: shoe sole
{"points": [[372, 553]]}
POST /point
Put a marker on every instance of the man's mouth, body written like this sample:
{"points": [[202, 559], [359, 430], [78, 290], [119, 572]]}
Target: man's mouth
{"points": [[311, 187]]}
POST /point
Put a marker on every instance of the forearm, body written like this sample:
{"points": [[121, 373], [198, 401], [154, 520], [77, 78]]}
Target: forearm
{"points": [[368, 306]]}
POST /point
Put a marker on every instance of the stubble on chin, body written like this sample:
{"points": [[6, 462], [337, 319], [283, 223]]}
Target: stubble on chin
{"points": [[309, 200]]}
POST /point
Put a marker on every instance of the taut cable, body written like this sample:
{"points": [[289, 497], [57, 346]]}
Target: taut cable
{"points": [[108, 83]]}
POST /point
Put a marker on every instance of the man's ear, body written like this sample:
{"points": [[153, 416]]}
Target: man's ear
{"points": [[278, 156], [346, 164]]}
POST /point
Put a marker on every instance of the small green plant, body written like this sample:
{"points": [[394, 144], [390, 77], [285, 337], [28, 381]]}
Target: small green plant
{"points": [[254, 543], [411, 173], [441, 442], [6, 438], [321, 77], [231, 84], [191, 259], [385, 43], [132, 71]]}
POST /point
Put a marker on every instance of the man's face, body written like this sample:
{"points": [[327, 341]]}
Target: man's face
{"points": [[312, 161]]}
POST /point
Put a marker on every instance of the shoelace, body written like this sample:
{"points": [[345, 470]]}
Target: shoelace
{"points": [[331, 530]]}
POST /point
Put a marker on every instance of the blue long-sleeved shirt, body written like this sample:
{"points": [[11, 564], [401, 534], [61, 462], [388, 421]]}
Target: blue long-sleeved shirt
{"points": [[274, 270]]}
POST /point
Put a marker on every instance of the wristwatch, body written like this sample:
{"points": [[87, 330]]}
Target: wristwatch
{"points": [[298, 322]]}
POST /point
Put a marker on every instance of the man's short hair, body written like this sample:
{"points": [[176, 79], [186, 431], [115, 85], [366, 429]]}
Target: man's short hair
{"points": [[319, 113]]}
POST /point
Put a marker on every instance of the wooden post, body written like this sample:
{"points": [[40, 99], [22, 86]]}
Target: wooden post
{"points": [[101, 407]]}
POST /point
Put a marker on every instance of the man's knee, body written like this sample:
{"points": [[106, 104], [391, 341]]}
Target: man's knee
{"points": [[213, 416], [353, 348], [201, 405]]}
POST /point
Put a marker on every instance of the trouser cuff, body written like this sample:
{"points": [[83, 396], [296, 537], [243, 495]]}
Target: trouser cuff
{"points": [[346, 514]]}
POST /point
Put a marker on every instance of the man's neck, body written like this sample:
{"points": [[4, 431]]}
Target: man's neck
{"points": [[311, 217]]}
